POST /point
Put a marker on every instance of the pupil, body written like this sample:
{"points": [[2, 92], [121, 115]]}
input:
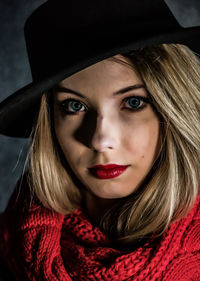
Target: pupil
{"points": [[134, 102], [76, 105]]}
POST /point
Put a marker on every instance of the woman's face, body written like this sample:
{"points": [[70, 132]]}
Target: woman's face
{"points": [[101, 117]]}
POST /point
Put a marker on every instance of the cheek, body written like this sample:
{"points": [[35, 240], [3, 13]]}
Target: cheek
{"points": [[71, 148], [64, 134], [142, 139], [64, 128]]}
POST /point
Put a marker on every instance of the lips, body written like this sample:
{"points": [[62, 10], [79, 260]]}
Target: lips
{"points": [[107, 171]]}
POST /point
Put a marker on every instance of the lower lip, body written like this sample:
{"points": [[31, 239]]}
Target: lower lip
{"points": [[108, 174]]}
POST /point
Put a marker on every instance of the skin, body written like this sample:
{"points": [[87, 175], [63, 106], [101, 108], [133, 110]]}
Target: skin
{"points": [[105, 131]]}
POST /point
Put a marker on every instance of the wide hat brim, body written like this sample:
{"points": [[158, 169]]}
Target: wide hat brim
{"points": [[19, 111]]}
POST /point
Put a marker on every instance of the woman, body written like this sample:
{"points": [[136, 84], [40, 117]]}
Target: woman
{"points": [[111, 190]]}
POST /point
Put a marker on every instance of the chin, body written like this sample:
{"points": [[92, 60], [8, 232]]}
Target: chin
{"points": [[111, 195]]}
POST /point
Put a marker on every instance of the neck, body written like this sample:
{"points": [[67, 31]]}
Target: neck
{"points": [[96, 207]]}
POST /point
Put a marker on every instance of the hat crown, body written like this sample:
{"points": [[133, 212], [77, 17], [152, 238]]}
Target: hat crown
{"points": [[59, 28], [76, 13]]}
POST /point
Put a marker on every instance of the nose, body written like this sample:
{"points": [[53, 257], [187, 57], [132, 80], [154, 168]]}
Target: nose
{"points": [[106, 135]]}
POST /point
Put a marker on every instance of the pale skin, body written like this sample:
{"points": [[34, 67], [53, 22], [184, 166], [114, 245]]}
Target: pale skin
{"points": [[104, 128]]}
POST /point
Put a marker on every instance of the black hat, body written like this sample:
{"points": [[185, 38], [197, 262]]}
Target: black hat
{"points": [[66, 36]]}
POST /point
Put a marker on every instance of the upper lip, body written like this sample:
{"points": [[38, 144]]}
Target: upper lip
{"points": [[107, 167]]}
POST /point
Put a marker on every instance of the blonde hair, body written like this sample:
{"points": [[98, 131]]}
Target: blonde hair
{"points": [[171, 73], [47, 177]]}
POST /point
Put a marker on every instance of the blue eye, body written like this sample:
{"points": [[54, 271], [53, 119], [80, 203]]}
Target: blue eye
{"points": [[136, 103], [72, 106]]}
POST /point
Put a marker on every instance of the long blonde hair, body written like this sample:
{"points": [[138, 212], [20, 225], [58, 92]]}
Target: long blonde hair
{"points": [[171, 73]]}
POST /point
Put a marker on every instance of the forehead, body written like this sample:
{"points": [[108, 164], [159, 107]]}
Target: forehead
{"points": [[114, 71]]}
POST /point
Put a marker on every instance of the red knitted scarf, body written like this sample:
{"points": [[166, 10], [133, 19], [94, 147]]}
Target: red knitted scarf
{"points": [[49, 246]]}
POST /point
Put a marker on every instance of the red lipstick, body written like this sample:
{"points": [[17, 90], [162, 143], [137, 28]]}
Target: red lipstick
{"points": [[107, 171]]}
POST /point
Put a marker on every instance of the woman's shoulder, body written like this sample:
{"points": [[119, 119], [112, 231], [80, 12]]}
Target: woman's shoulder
{"points": [[179, 249], [26, 228], [183, 236], [184, 265], [191, 235]]}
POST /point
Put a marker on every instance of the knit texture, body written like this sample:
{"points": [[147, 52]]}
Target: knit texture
{"points": [[41, 244]]}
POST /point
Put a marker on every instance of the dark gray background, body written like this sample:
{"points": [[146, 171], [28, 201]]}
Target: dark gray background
{"points": [[15, 73]]}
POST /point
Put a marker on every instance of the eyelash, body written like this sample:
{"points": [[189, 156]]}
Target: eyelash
{"points": [[67, 102]]}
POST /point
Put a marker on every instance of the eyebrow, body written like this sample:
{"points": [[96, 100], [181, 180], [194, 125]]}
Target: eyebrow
{"points": [[119, 92]]}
